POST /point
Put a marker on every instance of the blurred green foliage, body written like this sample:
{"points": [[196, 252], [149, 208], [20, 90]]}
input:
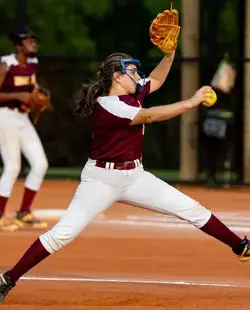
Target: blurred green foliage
{"points": [[98, 27], [77, 34]]}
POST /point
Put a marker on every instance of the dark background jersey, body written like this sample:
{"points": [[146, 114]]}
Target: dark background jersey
{"points": [[113, 139], [18, 78]]}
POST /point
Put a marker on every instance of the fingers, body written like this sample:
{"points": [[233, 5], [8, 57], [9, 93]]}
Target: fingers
{"points": [[206, 88], [168, 17], [207, 93], [165, 17], [175, 17], [207, 96]]}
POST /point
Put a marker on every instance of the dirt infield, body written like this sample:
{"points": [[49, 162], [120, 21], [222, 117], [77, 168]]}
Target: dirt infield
{"points": [[131, 258]]}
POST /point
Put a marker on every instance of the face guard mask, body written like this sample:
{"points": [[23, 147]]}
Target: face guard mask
{"points": [[136, 62]]}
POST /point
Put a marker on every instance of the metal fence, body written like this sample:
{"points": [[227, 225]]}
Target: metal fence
{"points": [[66, 138]]}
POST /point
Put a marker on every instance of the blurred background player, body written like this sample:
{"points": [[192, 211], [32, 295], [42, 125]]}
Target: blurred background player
{"points": [[17, 133], [218, 126]]}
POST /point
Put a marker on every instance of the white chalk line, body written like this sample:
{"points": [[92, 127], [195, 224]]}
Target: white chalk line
{"points": [[236, 221], [164, 225], [136, 221], [243, 216], [133, 281]]}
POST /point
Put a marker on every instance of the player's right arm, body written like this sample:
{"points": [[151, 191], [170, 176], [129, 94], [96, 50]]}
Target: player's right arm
{"points": [[21, 96], [166, 112]]}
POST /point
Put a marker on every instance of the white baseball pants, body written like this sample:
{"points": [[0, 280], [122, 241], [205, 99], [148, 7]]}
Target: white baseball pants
{"points": [[17, 134], [100, 188]]}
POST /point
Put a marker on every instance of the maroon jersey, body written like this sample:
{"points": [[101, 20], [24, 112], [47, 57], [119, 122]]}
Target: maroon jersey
{"points": [[113, 139], [18, 78]]}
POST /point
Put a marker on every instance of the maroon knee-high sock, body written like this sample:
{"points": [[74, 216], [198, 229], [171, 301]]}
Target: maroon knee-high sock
{"points": [[33, 256], [3, 202], [215, 228], [28, 197]]}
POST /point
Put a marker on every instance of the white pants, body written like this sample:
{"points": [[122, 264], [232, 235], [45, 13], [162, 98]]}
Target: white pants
{"points": [[17, 134], [100, 188]]}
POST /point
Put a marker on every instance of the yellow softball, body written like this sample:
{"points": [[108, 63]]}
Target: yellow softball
{"points": [[210, 101]]}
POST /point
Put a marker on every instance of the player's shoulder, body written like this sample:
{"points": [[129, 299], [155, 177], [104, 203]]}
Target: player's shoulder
{"points": [[114, 101], [118, 106], [145, 87], [107, 99], [11, 60], [144, 82], [33, 60], [108, 102]]}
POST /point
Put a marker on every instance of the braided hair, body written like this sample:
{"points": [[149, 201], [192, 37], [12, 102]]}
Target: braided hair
{"points": [[100, 86]]}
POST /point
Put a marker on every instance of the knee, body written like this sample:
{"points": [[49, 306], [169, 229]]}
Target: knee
{"points": [[41, 166], [44, 166], [200, 215], [55, 239]]}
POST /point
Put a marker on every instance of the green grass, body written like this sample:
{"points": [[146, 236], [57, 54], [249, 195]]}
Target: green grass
{"points": [[75, 172]]}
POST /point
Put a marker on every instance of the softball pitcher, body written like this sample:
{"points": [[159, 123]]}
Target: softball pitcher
{"points": [[114, 171], [17, 133]]}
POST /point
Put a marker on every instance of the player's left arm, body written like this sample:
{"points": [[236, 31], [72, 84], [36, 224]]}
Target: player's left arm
{"points": [[160, 73]]}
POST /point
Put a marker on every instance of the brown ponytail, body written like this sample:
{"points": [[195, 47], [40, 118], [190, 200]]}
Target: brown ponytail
{"points": [[88, 93], [87, 96]]}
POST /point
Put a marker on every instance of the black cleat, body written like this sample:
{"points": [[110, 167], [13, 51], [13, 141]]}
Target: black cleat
{"points": [[244, 251], [27, 220], [6, 284]]}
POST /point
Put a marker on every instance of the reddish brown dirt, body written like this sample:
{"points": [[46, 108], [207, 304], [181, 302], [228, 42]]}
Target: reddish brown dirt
{"points": [[107, 251]]}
